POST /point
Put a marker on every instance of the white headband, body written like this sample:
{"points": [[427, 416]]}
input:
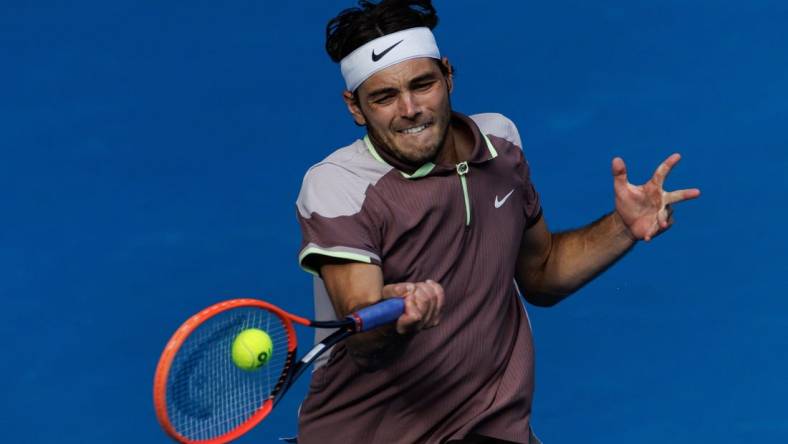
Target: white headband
{"points": [[386, 51]]}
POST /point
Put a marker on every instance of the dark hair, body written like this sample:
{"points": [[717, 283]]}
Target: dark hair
{"points": [[354, 27]]}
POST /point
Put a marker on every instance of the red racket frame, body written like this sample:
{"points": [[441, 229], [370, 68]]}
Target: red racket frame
{"points": [[177, 340]]}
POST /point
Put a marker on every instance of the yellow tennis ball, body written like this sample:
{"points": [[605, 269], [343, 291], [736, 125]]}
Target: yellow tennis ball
{"points": [[252, 349]]}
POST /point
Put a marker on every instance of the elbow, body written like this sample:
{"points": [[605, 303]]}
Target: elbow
{"points": [[541, 288], [550, 297], [540, 293], [544, 299]]}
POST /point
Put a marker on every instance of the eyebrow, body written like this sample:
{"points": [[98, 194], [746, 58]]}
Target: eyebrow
{"points": [[389, 90], [423, 78], [382, 91]]}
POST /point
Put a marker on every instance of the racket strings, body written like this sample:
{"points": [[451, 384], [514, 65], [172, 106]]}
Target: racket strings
{"points": [[207, 394]]}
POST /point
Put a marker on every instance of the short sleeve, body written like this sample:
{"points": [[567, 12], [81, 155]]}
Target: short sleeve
{"points": [[532, 206], [503, 127], [334, 219]]}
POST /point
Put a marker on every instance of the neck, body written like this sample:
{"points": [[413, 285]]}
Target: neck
{"points": [[457, 146]]}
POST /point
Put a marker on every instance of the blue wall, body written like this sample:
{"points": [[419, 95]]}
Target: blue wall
{"points": [[152, 153]]}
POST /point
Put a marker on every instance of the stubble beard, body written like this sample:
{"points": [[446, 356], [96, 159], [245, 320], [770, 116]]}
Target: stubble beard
{"points": [[415, 157], [419, 157]]}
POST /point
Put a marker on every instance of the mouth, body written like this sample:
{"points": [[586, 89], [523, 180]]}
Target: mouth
{"points": [[415, 129]]}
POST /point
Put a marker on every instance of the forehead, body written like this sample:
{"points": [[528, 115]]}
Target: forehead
{"points": [[400, 74]]}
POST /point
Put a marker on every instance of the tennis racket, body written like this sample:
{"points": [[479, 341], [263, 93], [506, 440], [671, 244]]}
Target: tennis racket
{"points": [[201, 396]]}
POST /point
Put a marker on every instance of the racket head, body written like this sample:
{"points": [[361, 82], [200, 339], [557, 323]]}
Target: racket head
{"points": [[199, 394]]}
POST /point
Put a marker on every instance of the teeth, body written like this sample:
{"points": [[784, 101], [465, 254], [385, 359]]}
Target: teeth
{"points": [[414, 130]]}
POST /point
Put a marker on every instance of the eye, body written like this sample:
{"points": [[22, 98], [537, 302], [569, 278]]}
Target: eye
{"points": [[383, 100], [424, 86]]}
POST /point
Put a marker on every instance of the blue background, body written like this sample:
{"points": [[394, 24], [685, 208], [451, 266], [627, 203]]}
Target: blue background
{"points": [[152, 153]]}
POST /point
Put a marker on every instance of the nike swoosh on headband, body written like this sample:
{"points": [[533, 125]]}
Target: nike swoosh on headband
{"points": [[376, 57]]}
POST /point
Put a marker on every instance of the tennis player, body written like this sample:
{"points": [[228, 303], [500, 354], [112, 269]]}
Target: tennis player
{"points": [[438, 207]]}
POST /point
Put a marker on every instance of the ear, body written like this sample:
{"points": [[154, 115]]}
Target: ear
{"points": [[353, 108], [450, 76]]}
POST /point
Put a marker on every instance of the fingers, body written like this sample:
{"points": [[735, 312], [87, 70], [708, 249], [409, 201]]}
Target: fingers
{"points": [[681, 195], [398, 290], [437, 291], [664, 221], [664, 169], [619, 169], [423, 306], [647, 209], [664, 217]]}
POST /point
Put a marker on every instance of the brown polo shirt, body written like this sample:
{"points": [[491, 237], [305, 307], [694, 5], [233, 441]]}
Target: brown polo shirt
{"points": [[460, 225]]}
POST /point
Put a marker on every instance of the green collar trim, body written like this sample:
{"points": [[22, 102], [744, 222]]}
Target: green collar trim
{"points": [[421, 172], [427, 167], [493, 153], [373, 151]]}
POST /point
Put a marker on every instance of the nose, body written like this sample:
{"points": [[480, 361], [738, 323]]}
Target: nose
{"points": [[408, 108]]}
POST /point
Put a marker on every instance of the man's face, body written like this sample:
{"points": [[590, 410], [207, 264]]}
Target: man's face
{"points": [[406, 107]]}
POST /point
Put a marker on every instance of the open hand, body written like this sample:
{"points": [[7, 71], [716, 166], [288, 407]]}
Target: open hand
{"points": [[423, 304], [647, 209]]}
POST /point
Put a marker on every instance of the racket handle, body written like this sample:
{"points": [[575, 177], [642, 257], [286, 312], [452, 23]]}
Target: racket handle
{"points": [[382, 313]]}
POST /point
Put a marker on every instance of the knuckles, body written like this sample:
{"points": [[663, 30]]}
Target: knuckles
{"points": [[423, 301]]}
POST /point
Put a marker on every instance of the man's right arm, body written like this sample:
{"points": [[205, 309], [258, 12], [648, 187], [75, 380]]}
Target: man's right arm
{"points": [[354, 285]]}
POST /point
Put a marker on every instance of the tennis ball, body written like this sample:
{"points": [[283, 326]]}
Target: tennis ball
{"points": [[251, 349]]}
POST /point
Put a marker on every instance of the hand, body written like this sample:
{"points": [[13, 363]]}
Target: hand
{"points": [[646, 209], [423, 304]]}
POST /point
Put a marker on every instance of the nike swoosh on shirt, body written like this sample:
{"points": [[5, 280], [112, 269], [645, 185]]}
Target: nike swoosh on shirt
{"points": [[376, 57], [499, 203]]}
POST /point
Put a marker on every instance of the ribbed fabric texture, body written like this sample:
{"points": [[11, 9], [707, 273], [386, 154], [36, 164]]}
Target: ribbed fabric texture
{"points": [[474, 372]]}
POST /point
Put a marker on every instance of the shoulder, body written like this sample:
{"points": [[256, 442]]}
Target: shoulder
{"points": [[336, 186], [498, 125]]}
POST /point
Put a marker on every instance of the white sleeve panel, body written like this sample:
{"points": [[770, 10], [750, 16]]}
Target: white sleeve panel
{"points": [[498, 125]]}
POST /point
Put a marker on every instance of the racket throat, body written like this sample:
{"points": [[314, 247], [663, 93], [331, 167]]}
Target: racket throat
{"points": [[297, 369]]}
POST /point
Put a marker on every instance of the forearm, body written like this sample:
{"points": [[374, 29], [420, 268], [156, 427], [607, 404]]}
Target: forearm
{"points": [[352, 287], [576, 257]]}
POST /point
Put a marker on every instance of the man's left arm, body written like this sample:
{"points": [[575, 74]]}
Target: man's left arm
{"points": [[551, 266]]}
